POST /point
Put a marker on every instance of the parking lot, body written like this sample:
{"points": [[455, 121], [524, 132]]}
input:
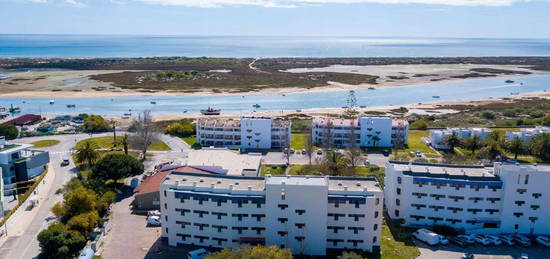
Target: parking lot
{"points": [[481, 252]]}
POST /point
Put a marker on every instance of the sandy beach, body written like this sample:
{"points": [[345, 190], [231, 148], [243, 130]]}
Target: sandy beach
{"points": [[77, 84]]}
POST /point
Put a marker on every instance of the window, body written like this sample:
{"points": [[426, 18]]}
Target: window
{"points": [[399, 179], [300, 212], [526, 179], [282, 233], [283, 195], [375, 227], [376, 214], [300, 238], [165, 206], [356, 204], [377, 201], [521, 191], [397, 213], [397, 202], [300, 225], [374, 240], [165, 193], [535, 207], [537, 195], [398, 190], [518, 214], [519, 203], [282, 206], [283, 220]]}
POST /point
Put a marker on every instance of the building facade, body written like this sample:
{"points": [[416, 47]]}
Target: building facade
{"points": [[506, 198], [527, 134], [245, 133], [309, 215], [437, 136], [20, 163], [363, 131]]}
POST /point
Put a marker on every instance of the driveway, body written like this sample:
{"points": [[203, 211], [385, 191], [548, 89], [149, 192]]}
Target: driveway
{"points": [[480, 252]]}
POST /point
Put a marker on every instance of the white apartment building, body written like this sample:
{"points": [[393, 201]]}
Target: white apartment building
{"points": [[527, 134], [506, 198], [245, 133], [309, 215], [228, 162], [365, 131], [437, 136]]}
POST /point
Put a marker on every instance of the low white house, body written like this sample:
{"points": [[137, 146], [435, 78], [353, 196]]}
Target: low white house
{"points": [[437, 136], [228, 161], [506, 198], [309, 215], [364, 131], [527, 134], [247, 133]]}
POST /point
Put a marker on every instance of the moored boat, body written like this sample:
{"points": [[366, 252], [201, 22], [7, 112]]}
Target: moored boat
{"points": [[509, 81], [211, 111]]}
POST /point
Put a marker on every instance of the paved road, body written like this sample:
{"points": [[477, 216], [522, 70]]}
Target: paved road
{"points": [[23, 244]]}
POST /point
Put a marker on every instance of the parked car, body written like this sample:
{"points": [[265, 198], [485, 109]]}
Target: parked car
{"points": [[469, 239], [319, 152], [65, 162], [303, 151], [427, 236], [507, 240], [494, 239], [386, 152], [480, 239], [292, 151], [545, 241], [418, 153], [467, 256], [367, 162], [198, 254], [524, 256], [458, 241], [153, 213], [443, 240], [153, 221], [522, 240]]}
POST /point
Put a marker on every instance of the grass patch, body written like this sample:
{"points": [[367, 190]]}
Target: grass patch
{"points": [[416, 144], [372, 171], [45, 143], [190, 140], [397, 242], [298, 141], [107, 142], [272, 169]]}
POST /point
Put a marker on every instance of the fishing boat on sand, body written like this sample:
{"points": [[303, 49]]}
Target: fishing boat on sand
{"points": [[211, 111]]}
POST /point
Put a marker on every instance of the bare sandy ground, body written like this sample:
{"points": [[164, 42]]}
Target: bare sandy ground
{"points": [[71, 83]]}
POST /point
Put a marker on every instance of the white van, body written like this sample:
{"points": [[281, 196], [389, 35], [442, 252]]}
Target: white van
{"points": [[153, 221], [198, 254], [427, 236]]}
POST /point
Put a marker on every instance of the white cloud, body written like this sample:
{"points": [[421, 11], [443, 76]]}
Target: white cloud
{"points": [[296, 3]]}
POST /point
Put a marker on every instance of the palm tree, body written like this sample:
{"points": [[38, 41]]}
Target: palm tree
{"points": [[452, 141], [473, 143], [335, 163], [496, 136], [124, 143], [540, 146], [87, 153], [515, 146], [491, 151], [113, 125]]}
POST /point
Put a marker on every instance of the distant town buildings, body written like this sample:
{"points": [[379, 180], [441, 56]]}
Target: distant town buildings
{"points": [[506, 198], [527, 134], [20, 163], [437, 136], [363, 131], [247, 133], [309, 215]]}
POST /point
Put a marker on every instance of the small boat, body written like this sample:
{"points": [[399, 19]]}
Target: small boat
{"points": [[516, 93], [211, 111], [284, 94], [14, 109], [435, 96], [509, 81], [71, 105], [153, 102], [372, 88], [184, 111], [127, 114], [256, 106], [52, 101], [520, 83], [363, 106]]}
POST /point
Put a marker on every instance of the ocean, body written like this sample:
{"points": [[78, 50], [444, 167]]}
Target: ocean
{"points": [[19, 45]]}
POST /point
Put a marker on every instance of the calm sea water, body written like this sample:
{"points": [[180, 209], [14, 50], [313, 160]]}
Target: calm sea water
{"points": [[235, 46], [235, 104]]}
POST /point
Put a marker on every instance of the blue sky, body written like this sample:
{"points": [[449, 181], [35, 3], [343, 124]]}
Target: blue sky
{"points": [[414, 18]]}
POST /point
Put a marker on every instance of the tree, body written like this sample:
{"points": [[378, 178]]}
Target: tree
{"points": [[420, 125], [113, 125], [255, 252], [146, 133], [353, 151], [310, 146], [116, 166], [58, 242], [9, 131], [124, 143], [473, 143], [78, 201], [327, 132], [516, 146], [84, 223], [95, 123], [546, 121], [451, 141], [496, 137], [103, 203], [540, 146], [285, 144], [491, 151], [181, 129], [350, 255], [87, 153], [335, 163]]}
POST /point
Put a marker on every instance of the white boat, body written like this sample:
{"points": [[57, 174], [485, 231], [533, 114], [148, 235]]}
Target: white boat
{"points": [[52, 101]]}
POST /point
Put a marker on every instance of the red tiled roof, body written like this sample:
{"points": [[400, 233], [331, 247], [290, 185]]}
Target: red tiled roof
{"points": [[152, 183], [24, 120]]}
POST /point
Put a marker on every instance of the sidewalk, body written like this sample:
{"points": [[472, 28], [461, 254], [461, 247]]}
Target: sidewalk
{"points": [[18, 222]]}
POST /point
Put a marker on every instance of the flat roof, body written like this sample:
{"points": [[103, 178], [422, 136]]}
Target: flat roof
{"points": [[227, 159], [242, 183], [470, 172]]}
